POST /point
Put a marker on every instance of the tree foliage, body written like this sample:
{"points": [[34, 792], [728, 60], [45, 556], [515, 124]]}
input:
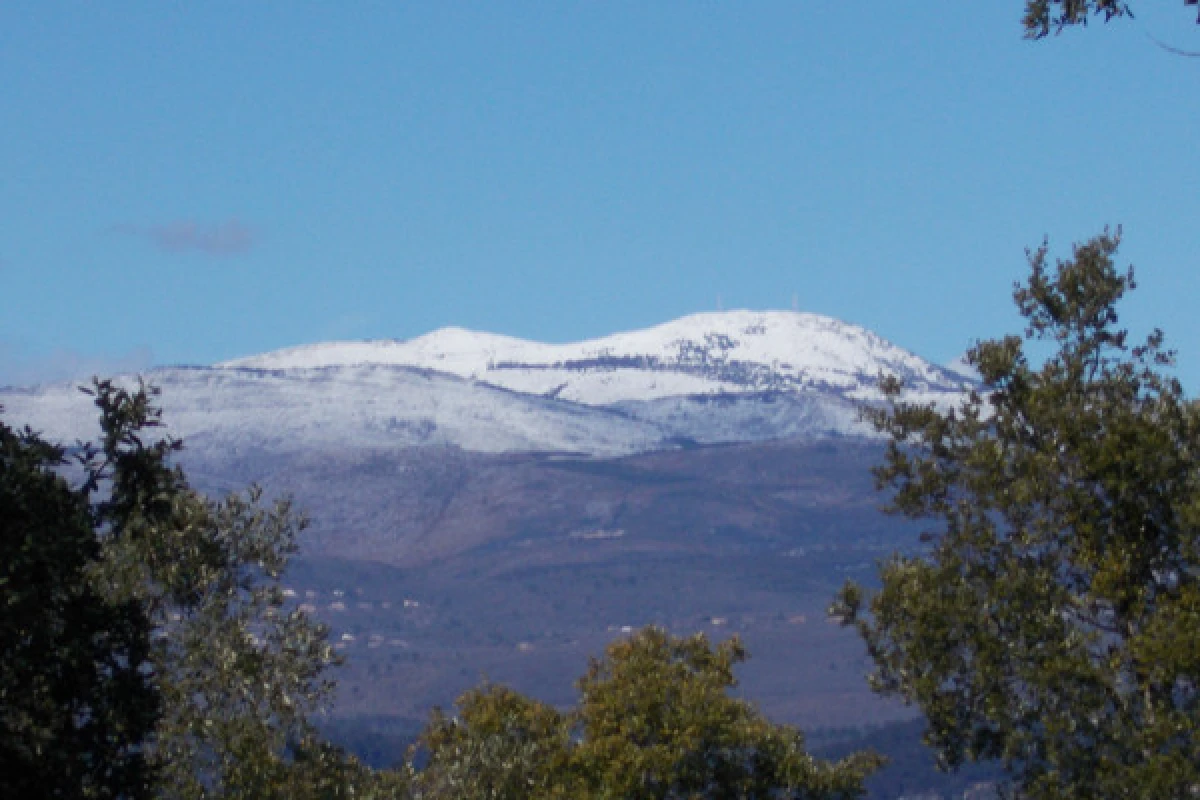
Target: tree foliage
{"points": [[654, 721], [147, 648], [500, 745], [1054, 623], [239, 672], [1043, 17], [76, 699]]}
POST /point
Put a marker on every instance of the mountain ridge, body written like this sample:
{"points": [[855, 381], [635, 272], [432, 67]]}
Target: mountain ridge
{"points": [[706, 353], [717, 377]]}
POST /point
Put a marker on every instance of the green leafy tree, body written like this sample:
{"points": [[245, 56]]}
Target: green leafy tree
{"points": [[76, 699], [657, 722], [1054, 622], [500, 745], [239, 672], [654, 721]]}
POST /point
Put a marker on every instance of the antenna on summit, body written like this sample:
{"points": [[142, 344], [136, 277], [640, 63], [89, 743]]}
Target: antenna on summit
{"points": [[795, 301], [720, 303]]}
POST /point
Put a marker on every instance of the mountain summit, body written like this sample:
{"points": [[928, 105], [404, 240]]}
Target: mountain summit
{"points": [[729, 352]]}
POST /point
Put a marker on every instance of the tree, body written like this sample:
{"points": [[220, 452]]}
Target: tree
{"points": [[1054, 622], [657, 722], [239, 672], [194, 584], [500, 746], [1043, 16], [76, 699], [654, 721]]}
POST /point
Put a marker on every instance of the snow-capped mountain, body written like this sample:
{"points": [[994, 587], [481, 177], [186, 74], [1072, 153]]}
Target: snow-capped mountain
{"points": [[716, 377], [732, 352]]}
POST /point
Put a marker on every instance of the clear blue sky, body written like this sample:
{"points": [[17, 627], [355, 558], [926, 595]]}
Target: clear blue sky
{"points": [[184, 183]]}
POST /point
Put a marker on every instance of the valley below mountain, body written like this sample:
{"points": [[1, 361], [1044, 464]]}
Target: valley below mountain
{"points": [[435, 570]]}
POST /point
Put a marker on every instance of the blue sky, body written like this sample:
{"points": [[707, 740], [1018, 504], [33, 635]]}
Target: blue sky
{"points": [[185, 183]]}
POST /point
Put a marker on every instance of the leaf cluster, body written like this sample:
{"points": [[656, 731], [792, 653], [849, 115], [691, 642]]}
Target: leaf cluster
{"points": [[1042, 17]]}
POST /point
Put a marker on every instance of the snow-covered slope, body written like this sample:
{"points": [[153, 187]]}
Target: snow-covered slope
{"points": [[722, 377], [726, 418], [712, 353], [961, 366], [237, 411]]}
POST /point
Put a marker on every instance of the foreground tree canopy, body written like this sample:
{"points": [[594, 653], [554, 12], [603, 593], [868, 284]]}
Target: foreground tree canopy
{"points": [[76, 698], [145, 649], [239, 674], [654, 721], [1054, 623]]}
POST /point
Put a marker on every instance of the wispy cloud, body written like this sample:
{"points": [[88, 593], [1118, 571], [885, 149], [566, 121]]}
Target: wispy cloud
{"points": [[229, 238]]}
